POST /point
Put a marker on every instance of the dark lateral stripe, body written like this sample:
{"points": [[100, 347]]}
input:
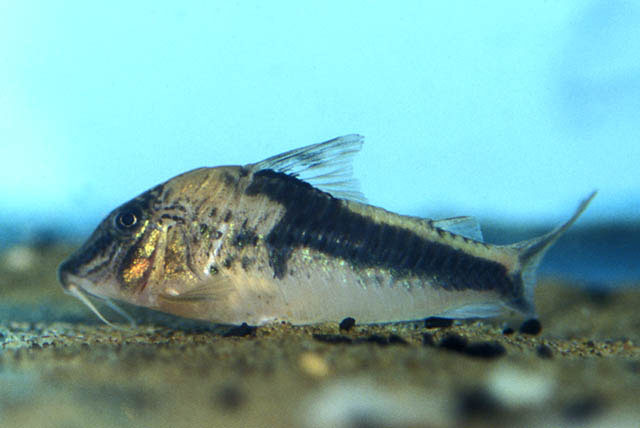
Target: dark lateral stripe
{"points": [[317, 220]]}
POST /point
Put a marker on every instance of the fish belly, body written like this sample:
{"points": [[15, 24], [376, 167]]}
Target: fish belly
{"points": [[331, 290]]}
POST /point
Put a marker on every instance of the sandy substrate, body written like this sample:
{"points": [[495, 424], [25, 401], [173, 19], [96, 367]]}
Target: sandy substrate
{"points": [[61, 367]]}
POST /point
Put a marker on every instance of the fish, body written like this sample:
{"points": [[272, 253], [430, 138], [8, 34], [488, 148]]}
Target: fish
{"points": [[291, 238]]}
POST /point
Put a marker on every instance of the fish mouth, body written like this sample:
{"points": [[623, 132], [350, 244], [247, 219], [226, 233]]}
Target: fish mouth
{"points": [[80, 288], [70, 281], [65, 277]]}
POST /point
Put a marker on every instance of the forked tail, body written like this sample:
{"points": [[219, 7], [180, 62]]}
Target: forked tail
{"points": [[530, 254]]}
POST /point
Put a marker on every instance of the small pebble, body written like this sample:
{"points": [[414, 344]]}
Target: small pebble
{"points": [[516, 387], [436, 322], [19, 258], [360, 402], [544, 351], [508, 331], [531, 326], [347, 324]]}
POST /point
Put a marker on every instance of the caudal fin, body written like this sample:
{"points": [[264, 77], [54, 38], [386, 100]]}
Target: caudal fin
{"points": [[530, 254]]}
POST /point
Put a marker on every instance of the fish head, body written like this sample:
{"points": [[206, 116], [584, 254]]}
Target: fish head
{"points": [[157, 244], [117, 260]]}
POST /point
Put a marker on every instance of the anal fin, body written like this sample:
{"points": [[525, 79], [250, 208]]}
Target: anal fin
{"points": [[474, 310]]}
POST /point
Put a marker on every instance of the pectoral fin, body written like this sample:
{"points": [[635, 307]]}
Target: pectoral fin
{"points": [[216, 288]]}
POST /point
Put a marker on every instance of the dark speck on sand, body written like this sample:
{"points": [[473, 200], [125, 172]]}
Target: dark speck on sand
{"points": [[347, 324], [531, 326]]}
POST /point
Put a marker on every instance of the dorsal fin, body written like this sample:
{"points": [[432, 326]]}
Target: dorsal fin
{"points": [[327, 166], [464, 226]]}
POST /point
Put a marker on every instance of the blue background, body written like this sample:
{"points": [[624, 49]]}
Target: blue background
{"points": [[510, 111]]}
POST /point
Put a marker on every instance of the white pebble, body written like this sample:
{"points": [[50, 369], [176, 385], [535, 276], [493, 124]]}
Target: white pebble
{"points": [[347, 403], [19, 258], [517, 387]]}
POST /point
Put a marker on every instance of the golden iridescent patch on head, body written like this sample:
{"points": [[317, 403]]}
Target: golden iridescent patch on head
{"points": [[136, 271], [177, 256], [138, 262]]}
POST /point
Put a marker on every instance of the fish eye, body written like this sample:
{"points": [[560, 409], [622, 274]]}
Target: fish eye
{"points": [[127, 219]]}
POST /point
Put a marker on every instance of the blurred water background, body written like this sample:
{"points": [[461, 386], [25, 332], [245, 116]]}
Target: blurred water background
{"points": [[509, 111]]}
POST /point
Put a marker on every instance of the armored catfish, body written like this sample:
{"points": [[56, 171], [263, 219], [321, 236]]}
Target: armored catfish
{"points": [[290, 238]]}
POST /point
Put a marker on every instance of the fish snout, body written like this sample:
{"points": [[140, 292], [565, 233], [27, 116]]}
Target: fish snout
{"points": [[65, 275]]}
